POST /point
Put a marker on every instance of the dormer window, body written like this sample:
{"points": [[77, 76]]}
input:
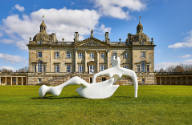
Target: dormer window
{"points": [[92, 55], [125, 55], [68, 54], [80, 55], [56, 55], [40, 54], [143, 55], [39, 42]]}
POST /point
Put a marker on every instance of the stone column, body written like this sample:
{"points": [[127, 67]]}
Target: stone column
{"points": [[16, 78], [6, 80], [85, 61], [108, 58], [75, 61], [21, 80], [11, 80], [36, 67], [97, 61]]}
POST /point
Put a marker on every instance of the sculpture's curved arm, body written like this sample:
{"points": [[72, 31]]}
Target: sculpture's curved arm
{"points": [[56, 90], [117, 72], [133, 76], [105, 72]]}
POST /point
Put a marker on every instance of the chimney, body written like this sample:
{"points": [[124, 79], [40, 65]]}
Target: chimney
{"points": [[76, 39], [107, 40]]}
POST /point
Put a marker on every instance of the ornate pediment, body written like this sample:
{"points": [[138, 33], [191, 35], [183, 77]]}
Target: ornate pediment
{"points": [[91, 42]]}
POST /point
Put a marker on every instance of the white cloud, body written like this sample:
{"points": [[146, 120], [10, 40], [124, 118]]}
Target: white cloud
{"points": [[105, 29], [119, 8], [7, 41], [165, 65], [19, 7], [1, 34], [188, 61], [186, 56], [7, 67], [64, 22], [11, 58], [185, 44]]}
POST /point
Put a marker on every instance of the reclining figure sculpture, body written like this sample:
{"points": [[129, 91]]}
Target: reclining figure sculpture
{"points": [[95, 90]]}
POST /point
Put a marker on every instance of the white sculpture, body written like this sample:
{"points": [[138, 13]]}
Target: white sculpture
{"points": [[95, 90], [117, 72]]}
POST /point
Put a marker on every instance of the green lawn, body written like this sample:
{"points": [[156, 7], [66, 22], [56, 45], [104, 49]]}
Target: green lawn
{"points": [[155, 105]]}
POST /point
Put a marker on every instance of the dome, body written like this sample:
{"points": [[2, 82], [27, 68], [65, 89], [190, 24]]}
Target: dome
{"points": [[41, 36]]}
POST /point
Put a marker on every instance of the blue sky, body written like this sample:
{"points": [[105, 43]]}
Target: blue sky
{"points": [[167, 21]]}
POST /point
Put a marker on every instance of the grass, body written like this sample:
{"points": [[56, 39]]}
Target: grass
{"points": [[155, 105]]}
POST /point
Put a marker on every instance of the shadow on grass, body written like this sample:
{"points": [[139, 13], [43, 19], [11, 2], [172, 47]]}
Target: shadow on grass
{"points": [[125, 97], [53, 97]]}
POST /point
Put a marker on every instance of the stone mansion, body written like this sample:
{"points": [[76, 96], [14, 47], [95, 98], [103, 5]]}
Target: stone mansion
{"points": [[56, 61]]}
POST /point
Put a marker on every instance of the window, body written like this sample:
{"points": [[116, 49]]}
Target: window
{"points": [[69, 68], [114, 55], [56, 55], [40, 67], [142, 66], [102, 55], [92, 55], [40, 54], [34, 67], [91, 69], [80, 55], [103, 79], [80, 68], [57, 68], [90, 79], [143, 54], [138, 68], [147, 68], [143, 80], [68, 54], [125, 66], [125, 55], [39, 80], [102, 67]]}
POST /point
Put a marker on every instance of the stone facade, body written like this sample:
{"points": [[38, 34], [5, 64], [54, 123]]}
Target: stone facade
{"points": [[53, 60]]}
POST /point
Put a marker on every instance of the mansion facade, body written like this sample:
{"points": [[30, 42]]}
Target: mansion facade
{"points": [[56, 61]]}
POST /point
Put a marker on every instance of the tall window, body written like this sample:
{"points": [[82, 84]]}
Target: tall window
{"points": [[138, 68], [102, 55], [92, 55], [114, 54], [57, 68], [143, 54], [68, 54], [147, 68], [80, 55], [40, 66], [102, 67], [68, 68], [56, 55], [142, 66], [125, 55], [40, 54], [80, 68], [91, 69]]}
